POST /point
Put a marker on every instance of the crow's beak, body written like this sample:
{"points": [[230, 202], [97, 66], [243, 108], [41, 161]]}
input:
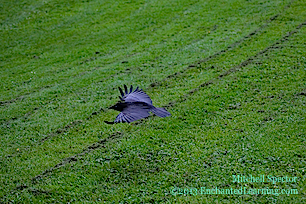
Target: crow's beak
{"points": [[107, 122]]}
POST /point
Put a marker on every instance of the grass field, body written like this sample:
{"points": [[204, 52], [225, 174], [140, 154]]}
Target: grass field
{"points": [[232, 74]]}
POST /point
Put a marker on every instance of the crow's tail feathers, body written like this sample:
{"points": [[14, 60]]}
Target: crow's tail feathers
{"points": [[161, 112]]}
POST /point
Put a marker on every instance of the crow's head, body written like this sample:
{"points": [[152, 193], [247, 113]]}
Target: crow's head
{"points": [[119, 106]]}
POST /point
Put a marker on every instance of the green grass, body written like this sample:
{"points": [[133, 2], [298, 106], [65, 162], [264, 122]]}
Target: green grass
{"points": [[232, 74]]}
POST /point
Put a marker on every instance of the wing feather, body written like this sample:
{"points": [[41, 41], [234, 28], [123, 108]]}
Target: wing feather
{"points": [[135, 96], [133, 112], [125, 89], [121, 92]]}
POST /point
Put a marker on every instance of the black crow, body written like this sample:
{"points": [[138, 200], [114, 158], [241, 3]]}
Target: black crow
{"points": [[135, 105]]}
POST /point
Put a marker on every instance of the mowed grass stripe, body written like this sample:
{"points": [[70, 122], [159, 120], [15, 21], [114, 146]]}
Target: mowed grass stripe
{"points": [[212, 141]]}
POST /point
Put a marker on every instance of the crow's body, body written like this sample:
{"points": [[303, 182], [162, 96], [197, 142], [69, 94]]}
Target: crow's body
{"points": [[135, 105]]}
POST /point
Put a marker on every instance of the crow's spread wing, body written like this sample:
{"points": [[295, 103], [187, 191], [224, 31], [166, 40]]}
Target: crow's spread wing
{"points": [[134, 111], [134, 96]]}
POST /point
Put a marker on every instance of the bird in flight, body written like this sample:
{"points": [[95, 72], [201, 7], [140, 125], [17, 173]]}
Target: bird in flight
{"points": [[135, 105]]}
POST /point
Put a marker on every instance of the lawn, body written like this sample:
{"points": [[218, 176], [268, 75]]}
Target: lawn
{"points": [[231, 73]]}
